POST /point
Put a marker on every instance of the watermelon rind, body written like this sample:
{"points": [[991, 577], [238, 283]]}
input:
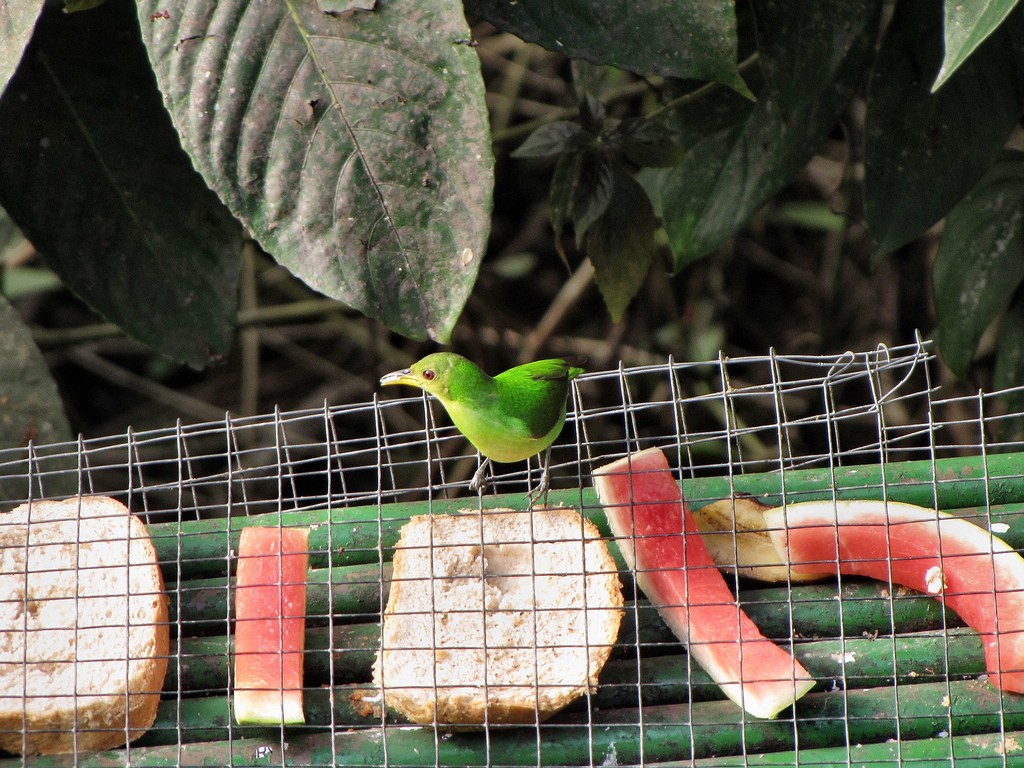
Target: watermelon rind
{"points": [[972, 571], [657, 535]]}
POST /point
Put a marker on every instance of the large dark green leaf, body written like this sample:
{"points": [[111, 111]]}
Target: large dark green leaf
{"points": [[980, 262], [355, 147], [967, 24], [693, 39], [1009, 371], [92, 172], [30, 405], [941, 142], [813, 55]]}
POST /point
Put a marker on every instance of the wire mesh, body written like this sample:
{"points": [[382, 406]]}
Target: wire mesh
{"points": [[899, 679]]}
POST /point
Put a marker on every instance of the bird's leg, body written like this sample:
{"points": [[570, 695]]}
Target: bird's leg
{"points": [[480, 476], [545, 481]]}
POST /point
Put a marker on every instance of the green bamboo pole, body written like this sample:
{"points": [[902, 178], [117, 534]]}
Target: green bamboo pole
{"points": [[196, 548], [210, 718], [355, 595], [664, 733], [342, 654], [987, 750], [659, 680], [203, 663], [200, 606], [947, 483]]}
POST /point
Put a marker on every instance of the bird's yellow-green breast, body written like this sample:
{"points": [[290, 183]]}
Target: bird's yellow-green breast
{"points": [[508, 417]]}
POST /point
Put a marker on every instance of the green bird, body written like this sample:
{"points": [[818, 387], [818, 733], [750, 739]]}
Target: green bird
{"points": [[509, 417]]}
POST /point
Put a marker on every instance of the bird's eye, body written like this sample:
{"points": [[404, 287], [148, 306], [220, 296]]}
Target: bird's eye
{"points": [[429, 374]]}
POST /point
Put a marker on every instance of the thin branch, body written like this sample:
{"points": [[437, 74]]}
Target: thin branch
{"points": [[569, 294], [121, 377]]}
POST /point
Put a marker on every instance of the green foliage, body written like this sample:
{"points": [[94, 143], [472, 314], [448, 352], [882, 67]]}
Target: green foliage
{"points": [[813, 55], [30, 406], [925, 146], [99, 184], [353, 146], [694, 39], [942, 141], [351, 143], [980, 266], [350, 140], [593, 187], [968, 23], [620, 243]]}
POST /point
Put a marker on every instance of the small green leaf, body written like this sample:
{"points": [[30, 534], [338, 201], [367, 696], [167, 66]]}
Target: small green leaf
{"points": [[980, 262], [563, 183], [967, 24], [552, 139], [646, 143], [943, 142], [621, 244], [592, 193]]}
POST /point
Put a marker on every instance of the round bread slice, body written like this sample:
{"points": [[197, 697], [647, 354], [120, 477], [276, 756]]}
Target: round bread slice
{"points": [[83, 627], [500, 617]]}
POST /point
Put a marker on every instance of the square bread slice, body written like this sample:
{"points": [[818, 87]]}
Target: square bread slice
{"points": [[500, 617], [83, 627]]}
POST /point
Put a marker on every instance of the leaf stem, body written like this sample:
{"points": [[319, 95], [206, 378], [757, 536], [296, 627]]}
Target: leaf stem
{"points": [[52, 338], [699, 93], [627, 91], [522, 130]]}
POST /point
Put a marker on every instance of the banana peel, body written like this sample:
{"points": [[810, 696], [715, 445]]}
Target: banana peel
{"points": [[736, 534]]}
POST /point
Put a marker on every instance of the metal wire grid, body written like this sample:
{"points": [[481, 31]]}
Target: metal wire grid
{"points": [[870, 424]]}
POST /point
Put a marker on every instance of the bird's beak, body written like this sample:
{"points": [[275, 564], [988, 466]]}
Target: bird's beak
{"points": [[403, 376]]}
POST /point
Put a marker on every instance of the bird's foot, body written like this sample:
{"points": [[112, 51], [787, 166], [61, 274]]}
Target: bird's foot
{"points": [[479, 481], [541, 491]]}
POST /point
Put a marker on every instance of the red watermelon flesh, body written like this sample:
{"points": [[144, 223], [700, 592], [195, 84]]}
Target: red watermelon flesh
{"points": [[661, 543], [270, 624], [971, 571]]}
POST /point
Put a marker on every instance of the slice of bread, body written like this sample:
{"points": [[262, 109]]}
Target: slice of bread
{"points": [[83, 627], [500, 617]]}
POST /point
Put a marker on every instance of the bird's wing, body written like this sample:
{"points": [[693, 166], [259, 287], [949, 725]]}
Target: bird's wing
{"points": [[533, 395], [540, 370]]}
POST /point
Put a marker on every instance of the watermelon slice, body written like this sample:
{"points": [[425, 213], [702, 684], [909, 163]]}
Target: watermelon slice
{"points": [[974, 573], [270, 623], [659, 539]]}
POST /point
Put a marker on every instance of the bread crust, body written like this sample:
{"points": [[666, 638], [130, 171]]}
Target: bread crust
{"points": [[84, 635], [500, 617]]}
